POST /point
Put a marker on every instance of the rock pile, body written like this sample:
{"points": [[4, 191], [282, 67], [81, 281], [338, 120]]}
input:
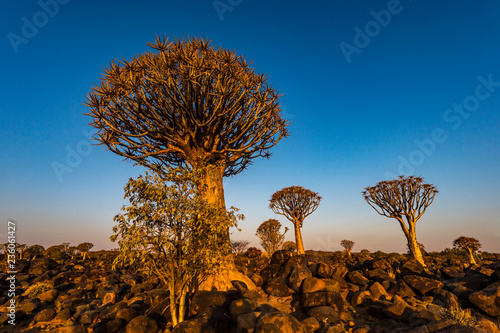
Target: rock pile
{"points": [[308, 293]]}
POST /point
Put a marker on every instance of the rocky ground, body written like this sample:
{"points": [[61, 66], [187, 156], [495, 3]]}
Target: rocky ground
{"points": [[316, 292]]}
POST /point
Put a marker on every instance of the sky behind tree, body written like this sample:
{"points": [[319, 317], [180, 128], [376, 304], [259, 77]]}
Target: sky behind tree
{"points": [[373, 89]]}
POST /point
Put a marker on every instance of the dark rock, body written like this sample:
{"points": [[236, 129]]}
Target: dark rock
{"points": [[325, 314], [246, 322], [88, 317], [112, 326], [379, 275], [379, 263], [131, 279], [357, 278], [401, 289], [310, 324], [278, 322], [39, 266], [141, 324], [298, 274], [452, 272], [45, 315], [323, 270], [399, 310], [378, 291], [279, 257], [339, 271], [211, 320], [126, 314], [311, 285], [422, 284], [412, 267], [205, 299], [488, 299], [28, 306], [63, 315], [277, 287], [253, 252], [360, 296], [49, 296], [323, 298], [241, 306], [257, 279]]}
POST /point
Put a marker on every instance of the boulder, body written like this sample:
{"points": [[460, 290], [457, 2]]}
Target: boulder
{"points": [[399, 310], [277, 287], [357, 278], [280, 256], [311, 285], [246, 322], [141, 324], [323, 270], [211, 320], [412, 267], [241, 306], [205, 299], [310, 324], [378, 291], [45, 315], [325, 314], [112, 326], [488, 299], [422, 284], [297, 275], [278, 322]]}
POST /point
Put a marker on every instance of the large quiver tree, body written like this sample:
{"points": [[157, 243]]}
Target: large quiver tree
{"points": [[187, 104], [295, 203], [406, 197]]}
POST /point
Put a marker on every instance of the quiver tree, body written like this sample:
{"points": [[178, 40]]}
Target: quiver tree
{"points": [[34, 251], [271, 239], [406, 197], [347, 245], [471, 245], [84, 249], [295, 203], [289, 246], [187, 104], [239, 246]]}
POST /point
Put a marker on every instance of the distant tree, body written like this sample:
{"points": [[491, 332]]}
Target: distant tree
{"points": [[84, 249], [34, 251], [239, 246], [289, 245], [59, 253], [295, 203], [188, 104], [471, 245], [271, 239], [405, 196], [347, 245], [73, 251], [169, 230]]}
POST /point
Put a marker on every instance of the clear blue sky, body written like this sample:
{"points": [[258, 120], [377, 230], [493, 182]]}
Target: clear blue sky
{"points": [[373, 88]]}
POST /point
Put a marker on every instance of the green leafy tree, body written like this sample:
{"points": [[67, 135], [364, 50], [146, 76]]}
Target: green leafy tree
{"points": [[405, 197], [270, 237], [347, 245], [295, 203], [169, 230], [84, 249], [469, 244], [59, 253]]}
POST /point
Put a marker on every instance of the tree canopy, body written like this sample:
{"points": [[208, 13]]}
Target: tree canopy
{"points": [[187, 102]]}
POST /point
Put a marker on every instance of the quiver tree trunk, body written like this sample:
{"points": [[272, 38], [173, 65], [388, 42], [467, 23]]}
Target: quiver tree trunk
{"points": [[298, 238], [413, 246], [471, 256]]}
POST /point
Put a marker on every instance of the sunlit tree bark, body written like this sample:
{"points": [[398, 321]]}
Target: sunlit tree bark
{"points": [[406, 197]]}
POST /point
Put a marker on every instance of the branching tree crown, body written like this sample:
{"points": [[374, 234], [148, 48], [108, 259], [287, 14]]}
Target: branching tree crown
{"points": [[295, 203], [406, 197], [470, 244], [188, 102], [347, 245]]}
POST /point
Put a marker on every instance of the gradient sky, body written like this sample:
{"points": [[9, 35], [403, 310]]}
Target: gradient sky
{"points": [[374, 89]]}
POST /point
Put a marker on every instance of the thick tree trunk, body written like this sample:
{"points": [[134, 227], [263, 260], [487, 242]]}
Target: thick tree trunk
{"points": [[213, 193], [415, 249], [298, 238]]}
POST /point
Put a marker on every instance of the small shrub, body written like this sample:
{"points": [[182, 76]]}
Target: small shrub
{"points": [[37, 289], [458, 315]]}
